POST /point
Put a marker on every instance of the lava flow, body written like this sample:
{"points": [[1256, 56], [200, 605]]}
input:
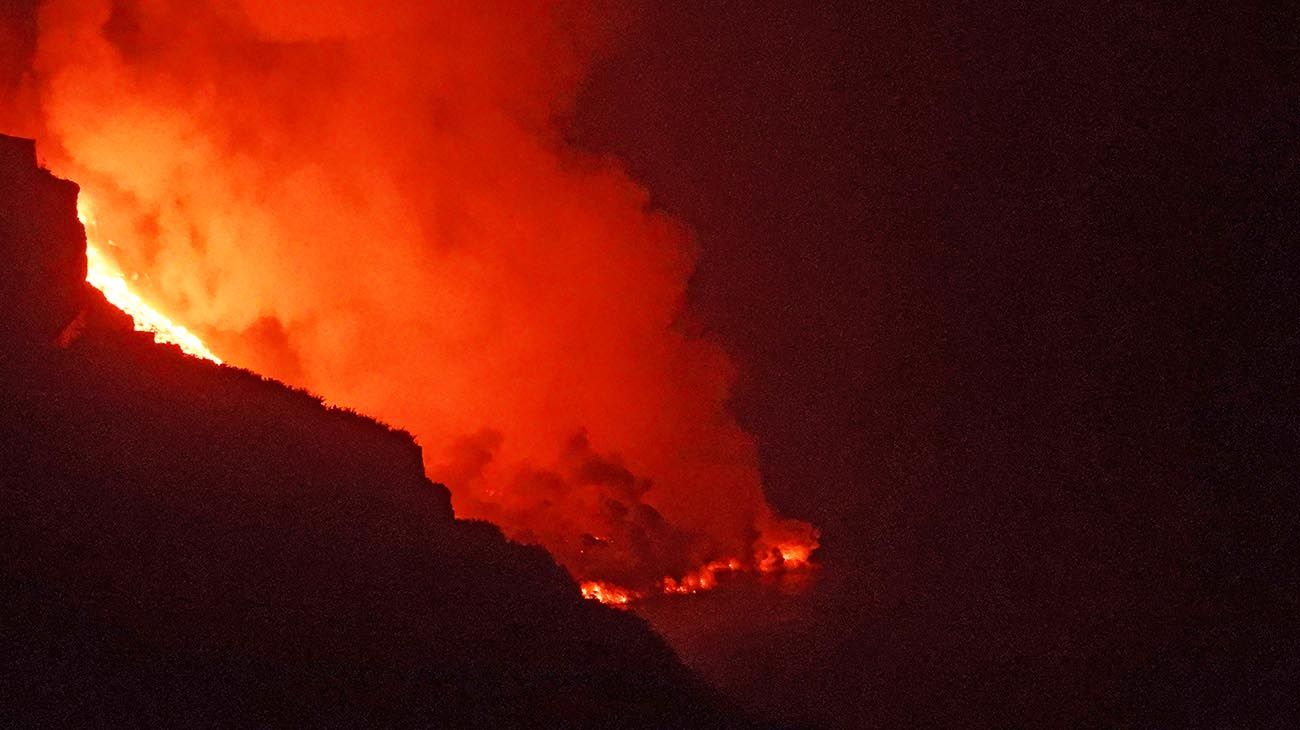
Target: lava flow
{"points": [[783, 558], [376, 202], [105, 276]]}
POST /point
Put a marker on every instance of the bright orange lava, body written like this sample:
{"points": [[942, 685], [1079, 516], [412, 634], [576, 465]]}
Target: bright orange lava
{"points": [[607, 593], [785, 557], [105, 276]]}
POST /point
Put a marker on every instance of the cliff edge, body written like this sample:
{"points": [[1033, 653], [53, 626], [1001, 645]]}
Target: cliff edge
{"points": [[192, 544]]}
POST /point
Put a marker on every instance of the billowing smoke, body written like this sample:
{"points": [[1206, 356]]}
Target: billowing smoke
{"points": [[371, 199]]}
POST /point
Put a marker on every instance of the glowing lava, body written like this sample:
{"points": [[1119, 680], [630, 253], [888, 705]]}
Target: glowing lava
{"points": [[702, 579], [105, 276], [785, 557], [607, 593]]}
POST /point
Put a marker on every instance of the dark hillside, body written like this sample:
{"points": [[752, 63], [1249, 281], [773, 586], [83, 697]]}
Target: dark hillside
{"points": [[190, 544]]}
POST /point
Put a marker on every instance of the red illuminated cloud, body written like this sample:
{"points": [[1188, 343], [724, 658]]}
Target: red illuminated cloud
{"points": [[370, 200]]}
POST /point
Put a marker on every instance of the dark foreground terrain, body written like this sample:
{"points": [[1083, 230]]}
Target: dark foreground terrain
{"points": [[186, 544]]}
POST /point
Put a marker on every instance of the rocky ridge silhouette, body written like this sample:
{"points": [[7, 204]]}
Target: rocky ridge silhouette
{"points": [[192, 544]]}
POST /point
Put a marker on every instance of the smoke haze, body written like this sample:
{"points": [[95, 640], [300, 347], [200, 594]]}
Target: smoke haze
{"points": [[373, 201]]}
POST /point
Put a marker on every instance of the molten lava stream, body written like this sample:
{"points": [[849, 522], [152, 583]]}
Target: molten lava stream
{"points": [[607, 593], [786, 557], [105, 276]]}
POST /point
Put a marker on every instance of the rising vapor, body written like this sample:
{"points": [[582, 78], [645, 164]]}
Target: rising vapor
{"points": [[372, 200]]}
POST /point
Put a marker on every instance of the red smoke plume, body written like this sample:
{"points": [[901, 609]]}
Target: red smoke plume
{"points": [[371, 200]]}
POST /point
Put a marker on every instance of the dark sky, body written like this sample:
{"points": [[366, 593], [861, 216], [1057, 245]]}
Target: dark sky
{"points": [[1009, 285], [789, 139]]}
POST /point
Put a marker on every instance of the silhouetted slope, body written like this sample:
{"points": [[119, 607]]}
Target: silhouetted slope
{"points": [[186, 543]]}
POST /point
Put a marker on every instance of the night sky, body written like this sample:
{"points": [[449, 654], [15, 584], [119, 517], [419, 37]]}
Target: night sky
{"points": [[1010, 287]]}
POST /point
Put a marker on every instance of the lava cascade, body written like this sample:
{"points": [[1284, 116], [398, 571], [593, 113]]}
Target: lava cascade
{"points": [[104, 275], [374, 201]]}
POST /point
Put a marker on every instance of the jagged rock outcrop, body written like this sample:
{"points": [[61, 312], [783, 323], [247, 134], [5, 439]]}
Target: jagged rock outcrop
{"points": [[186, 544], [44, 250]]}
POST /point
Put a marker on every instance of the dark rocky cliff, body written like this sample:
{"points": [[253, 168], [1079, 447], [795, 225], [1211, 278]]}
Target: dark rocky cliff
{"points": [[191, 544], [44, 249]]}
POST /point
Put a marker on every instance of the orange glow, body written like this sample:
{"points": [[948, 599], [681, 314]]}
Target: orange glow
{"points": [[702, 579], [105, 276], [786, 556], [374, 201], [790, 557], [607, 593]]}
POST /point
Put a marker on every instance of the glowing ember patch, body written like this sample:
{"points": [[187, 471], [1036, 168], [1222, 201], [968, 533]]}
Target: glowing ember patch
{"points": [[795, 556], [703, 579], [607, 593], [784, 557], [787, 556], [105, 276]]}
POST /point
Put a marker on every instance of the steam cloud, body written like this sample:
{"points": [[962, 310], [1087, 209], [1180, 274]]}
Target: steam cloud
{"points": [[371, 200]]}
